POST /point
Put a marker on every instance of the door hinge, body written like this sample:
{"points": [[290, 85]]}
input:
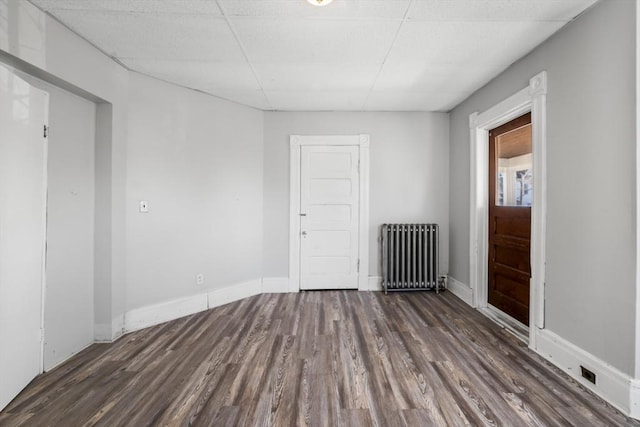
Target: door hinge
{"points": [[46, 130], [358, 165], [358, 267]]}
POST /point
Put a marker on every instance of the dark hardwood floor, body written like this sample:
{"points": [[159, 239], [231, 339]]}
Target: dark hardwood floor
{"points": [[315, 358]]}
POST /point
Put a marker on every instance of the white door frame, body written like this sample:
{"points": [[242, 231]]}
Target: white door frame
{"points": [[635, 382], [45, 141], [43, 293], [295, 144], [45, 184], [42, 128], [530, 99]]}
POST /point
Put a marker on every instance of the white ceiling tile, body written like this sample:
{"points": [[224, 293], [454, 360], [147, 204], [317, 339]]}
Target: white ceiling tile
{"points": [[320, 59], [317, 101], [198, 74], [179, 7], [414, 101], [315, 77], [315, 41], [135, 35], [422, 76], [252, 98], [497, 10], [341, 9], [465, 43]]}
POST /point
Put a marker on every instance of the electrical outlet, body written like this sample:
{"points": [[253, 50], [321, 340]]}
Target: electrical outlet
{"points": [[587, 374], [200, 279]]}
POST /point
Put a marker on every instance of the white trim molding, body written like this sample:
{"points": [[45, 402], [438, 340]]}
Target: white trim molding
{"points": [[634, 399], [275, 285], [375, 284], [612, 385], [530, 99], [460, 290], [233, 293], [102, 332], [105, 332], [296, 142], [150, 315], [635, 389]]}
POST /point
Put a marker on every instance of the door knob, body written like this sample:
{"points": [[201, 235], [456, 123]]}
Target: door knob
{"points": [[304, 233]]}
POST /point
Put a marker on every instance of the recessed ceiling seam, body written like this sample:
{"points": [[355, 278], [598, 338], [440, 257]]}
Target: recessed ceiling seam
{"points": [[384, 60], [244, 53]]}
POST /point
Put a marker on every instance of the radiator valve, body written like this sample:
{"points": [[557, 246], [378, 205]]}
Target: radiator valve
{"points": [[442, 281]]}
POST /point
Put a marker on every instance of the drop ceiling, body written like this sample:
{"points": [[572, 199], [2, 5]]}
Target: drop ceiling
{"points": [[351, 55]]}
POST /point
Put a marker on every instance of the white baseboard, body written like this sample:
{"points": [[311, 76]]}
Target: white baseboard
{"points": [[460, 290], [144, 317], [73, 353], [634, 399], [150, 315], [275, 285], [234, 293], [375, 284], [117, 326], [105, 332], [102, 332], [611, 384]]}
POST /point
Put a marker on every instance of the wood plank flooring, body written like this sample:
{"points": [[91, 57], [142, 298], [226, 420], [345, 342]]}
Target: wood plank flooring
{"points": [[327, 358]]}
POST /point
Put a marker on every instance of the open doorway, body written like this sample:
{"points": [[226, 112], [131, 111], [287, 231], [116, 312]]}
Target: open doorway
{"points": [[529, 187]]}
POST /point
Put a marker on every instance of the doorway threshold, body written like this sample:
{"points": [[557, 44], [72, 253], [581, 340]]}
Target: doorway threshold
{"points": [[517, 329]]}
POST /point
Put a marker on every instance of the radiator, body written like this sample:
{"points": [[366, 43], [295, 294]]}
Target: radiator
{"points": [[410, 257]]}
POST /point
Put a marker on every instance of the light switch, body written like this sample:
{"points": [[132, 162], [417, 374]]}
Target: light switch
{"points": [[144, 206]]}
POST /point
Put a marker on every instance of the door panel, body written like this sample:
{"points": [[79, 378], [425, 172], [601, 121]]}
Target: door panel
{"points": [[22, 230], [329, 207], [510, 195]]}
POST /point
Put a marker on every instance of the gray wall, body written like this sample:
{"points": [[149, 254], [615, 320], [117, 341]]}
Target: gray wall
{"points": [[70, 223], [409, 174], [197, 160], [105, 329], [53, 53], [69, 304], [590, 285]]}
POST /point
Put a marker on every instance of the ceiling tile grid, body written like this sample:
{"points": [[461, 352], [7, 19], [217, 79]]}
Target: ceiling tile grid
{"points": [[465, 43], [252, 98], [155, 36], [173, 7], [340, 9], [318, 100], [351, 55], [311, 40], [496, 10], [322, 76], [200, 75]]}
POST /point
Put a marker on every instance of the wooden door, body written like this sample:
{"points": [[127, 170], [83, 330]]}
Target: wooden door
{"points": [[510, 196], [23, 114], [329, 222]]}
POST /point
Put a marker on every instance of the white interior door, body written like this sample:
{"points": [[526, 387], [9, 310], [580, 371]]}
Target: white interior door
{"points": [[23, 114], [329, 223]]}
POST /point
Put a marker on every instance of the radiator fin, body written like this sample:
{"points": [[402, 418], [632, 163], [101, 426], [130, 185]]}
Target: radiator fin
{"points": [[410, 257]]}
